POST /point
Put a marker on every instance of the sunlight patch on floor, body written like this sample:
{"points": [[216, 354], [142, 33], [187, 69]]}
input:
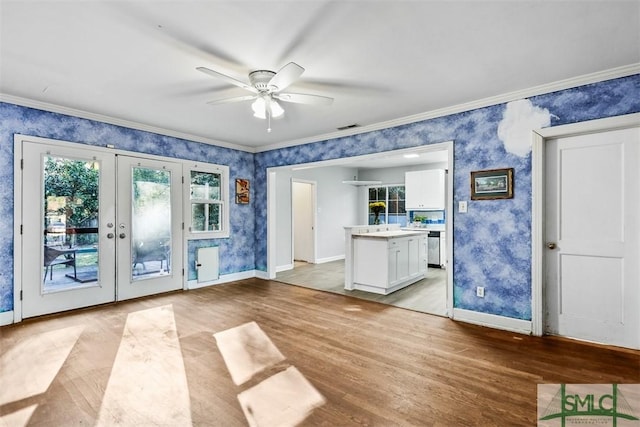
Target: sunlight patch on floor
{"points": [[148, 383], [18, 418], [285, 399], [31, 365], [247, 350]]}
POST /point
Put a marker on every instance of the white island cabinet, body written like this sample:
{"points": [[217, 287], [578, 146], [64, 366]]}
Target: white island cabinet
{"points": [[384, 262]]}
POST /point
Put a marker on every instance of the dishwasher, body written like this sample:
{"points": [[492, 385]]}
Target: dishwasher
{"points": [[433, 249]]}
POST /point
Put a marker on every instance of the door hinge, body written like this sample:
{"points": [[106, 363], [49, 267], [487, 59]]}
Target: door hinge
{"points": [[183, 179], [21, 228], [20, 294], [21, 163], [183, 272], [183, 225]]}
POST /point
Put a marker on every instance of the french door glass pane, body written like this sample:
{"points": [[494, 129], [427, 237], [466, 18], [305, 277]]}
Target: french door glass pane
{"points": [[70, 227], [151, 223]]}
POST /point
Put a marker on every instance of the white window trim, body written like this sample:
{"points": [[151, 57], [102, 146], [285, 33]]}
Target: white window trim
{"points": [[225, 198]]}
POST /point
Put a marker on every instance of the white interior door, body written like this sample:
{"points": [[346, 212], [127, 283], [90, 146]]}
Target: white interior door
{"points": [[592, 260], [303, 221], [149, 227], [68, 216]]}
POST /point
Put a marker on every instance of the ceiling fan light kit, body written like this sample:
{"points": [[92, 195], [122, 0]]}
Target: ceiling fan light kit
{"points": [[265, 106], [267, 86]]}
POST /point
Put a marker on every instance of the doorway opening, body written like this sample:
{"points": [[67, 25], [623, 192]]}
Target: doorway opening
{"points": [[342, 197], [303, 201]]}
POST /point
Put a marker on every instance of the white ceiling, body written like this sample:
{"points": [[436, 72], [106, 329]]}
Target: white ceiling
{"points": [[134, 62]]}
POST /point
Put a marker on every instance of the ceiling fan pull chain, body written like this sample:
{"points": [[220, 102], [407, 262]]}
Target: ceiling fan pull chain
{"points": [[269, 118]]}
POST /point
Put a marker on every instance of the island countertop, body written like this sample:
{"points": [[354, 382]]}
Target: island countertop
{"points": [[390, 234]]}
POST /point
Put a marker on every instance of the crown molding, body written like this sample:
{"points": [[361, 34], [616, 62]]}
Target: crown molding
{"points": [[610, 74], [614, 73], [54, 108]]}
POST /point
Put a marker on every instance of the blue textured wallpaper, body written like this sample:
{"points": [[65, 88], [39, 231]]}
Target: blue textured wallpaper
{"points": [[492, 242], [236, 253]]}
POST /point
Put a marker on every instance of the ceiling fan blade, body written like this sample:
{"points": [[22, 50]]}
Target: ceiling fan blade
{"points": [[234, 99], [283, 78], [227, 79], [303, 98]]}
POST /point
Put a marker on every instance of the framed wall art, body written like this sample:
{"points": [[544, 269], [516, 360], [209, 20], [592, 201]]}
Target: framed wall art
{"points": [[492, 184], [242, 191]]}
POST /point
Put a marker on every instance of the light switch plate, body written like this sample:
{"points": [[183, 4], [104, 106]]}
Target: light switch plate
{"points": [[462, 206]]}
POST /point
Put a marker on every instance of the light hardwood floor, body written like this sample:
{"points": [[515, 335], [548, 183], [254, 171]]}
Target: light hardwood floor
{"points": [[271, 352], [427, 296]]}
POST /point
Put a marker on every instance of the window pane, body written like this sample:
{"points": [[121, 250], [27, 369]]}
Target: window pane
{"points": [[373, 194], [393, 196], [151, 228], [198, 217], [205, 186], [70, 234], [205, 217], [393, 193]]}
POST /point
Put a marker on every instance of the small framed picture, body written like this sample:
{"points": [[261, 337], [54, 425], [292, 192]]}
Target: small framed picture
{"points": [[492, 184], [242, 191]]}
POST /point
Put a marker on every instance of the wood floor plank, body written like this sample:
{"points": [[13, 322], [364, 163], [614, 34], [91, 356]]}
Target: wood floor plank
{"points": [[374, 365]]}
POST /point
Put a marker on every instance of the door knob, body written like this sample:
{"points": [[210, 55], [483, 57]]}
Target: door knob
{"points": [[110, 236], [122, 235], [551, 245]]}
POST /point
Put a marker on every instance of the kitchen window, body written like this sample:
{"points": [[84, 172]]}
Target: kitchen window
{"points": [[394, 199], [208, 204]]}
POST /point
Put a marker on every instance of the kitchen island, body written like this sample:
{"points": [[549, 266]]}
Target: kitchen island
{"points": [[384, 261]]}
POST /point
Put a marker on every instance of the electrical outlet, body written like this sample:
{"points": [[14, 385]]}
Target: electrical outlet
{"points": [[480, 291], [462, 206]]}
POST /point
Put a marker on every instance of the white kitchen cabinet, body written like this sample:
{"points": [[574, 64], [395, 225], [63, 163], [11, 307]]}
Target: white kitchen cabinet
{"points": [[425, 189], [386, 262]]}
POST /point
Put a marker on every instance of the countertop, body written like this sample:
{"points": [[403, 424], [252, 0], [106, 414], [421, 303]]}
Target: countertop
{"points": [[391, 234], [429, 227]]}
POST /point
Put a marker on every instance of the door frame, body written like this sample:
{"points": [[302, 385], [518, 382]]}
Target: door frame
{"points": [[539, 138], [447, 146], [18, 139], [314, 219]]}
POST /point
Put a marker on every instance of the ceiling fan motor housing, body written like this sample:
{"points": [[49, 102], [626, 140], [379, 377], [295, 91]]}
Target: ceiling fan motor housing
{"points": [[260, 80]]}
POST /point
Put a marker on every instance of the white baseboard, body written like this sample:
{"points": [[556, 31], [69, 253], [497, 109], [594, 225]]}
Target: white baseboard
{"points": [[329, 259], [492, 321], [6, 318], [285, 267], [193, 284], [261, 274]]}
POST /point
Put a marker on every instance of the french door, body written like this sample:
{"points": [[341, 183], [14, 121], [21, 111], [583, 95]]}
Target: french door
{"points": [[97, 227]]}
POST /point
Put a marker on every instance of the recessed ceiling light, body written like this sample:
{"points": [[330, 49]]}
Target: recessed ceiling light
{"points": [[411, 156]]}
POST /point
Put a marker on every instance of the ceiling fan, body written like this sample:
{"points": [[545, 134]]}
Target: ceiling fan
{"points": [[267, 87]]}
